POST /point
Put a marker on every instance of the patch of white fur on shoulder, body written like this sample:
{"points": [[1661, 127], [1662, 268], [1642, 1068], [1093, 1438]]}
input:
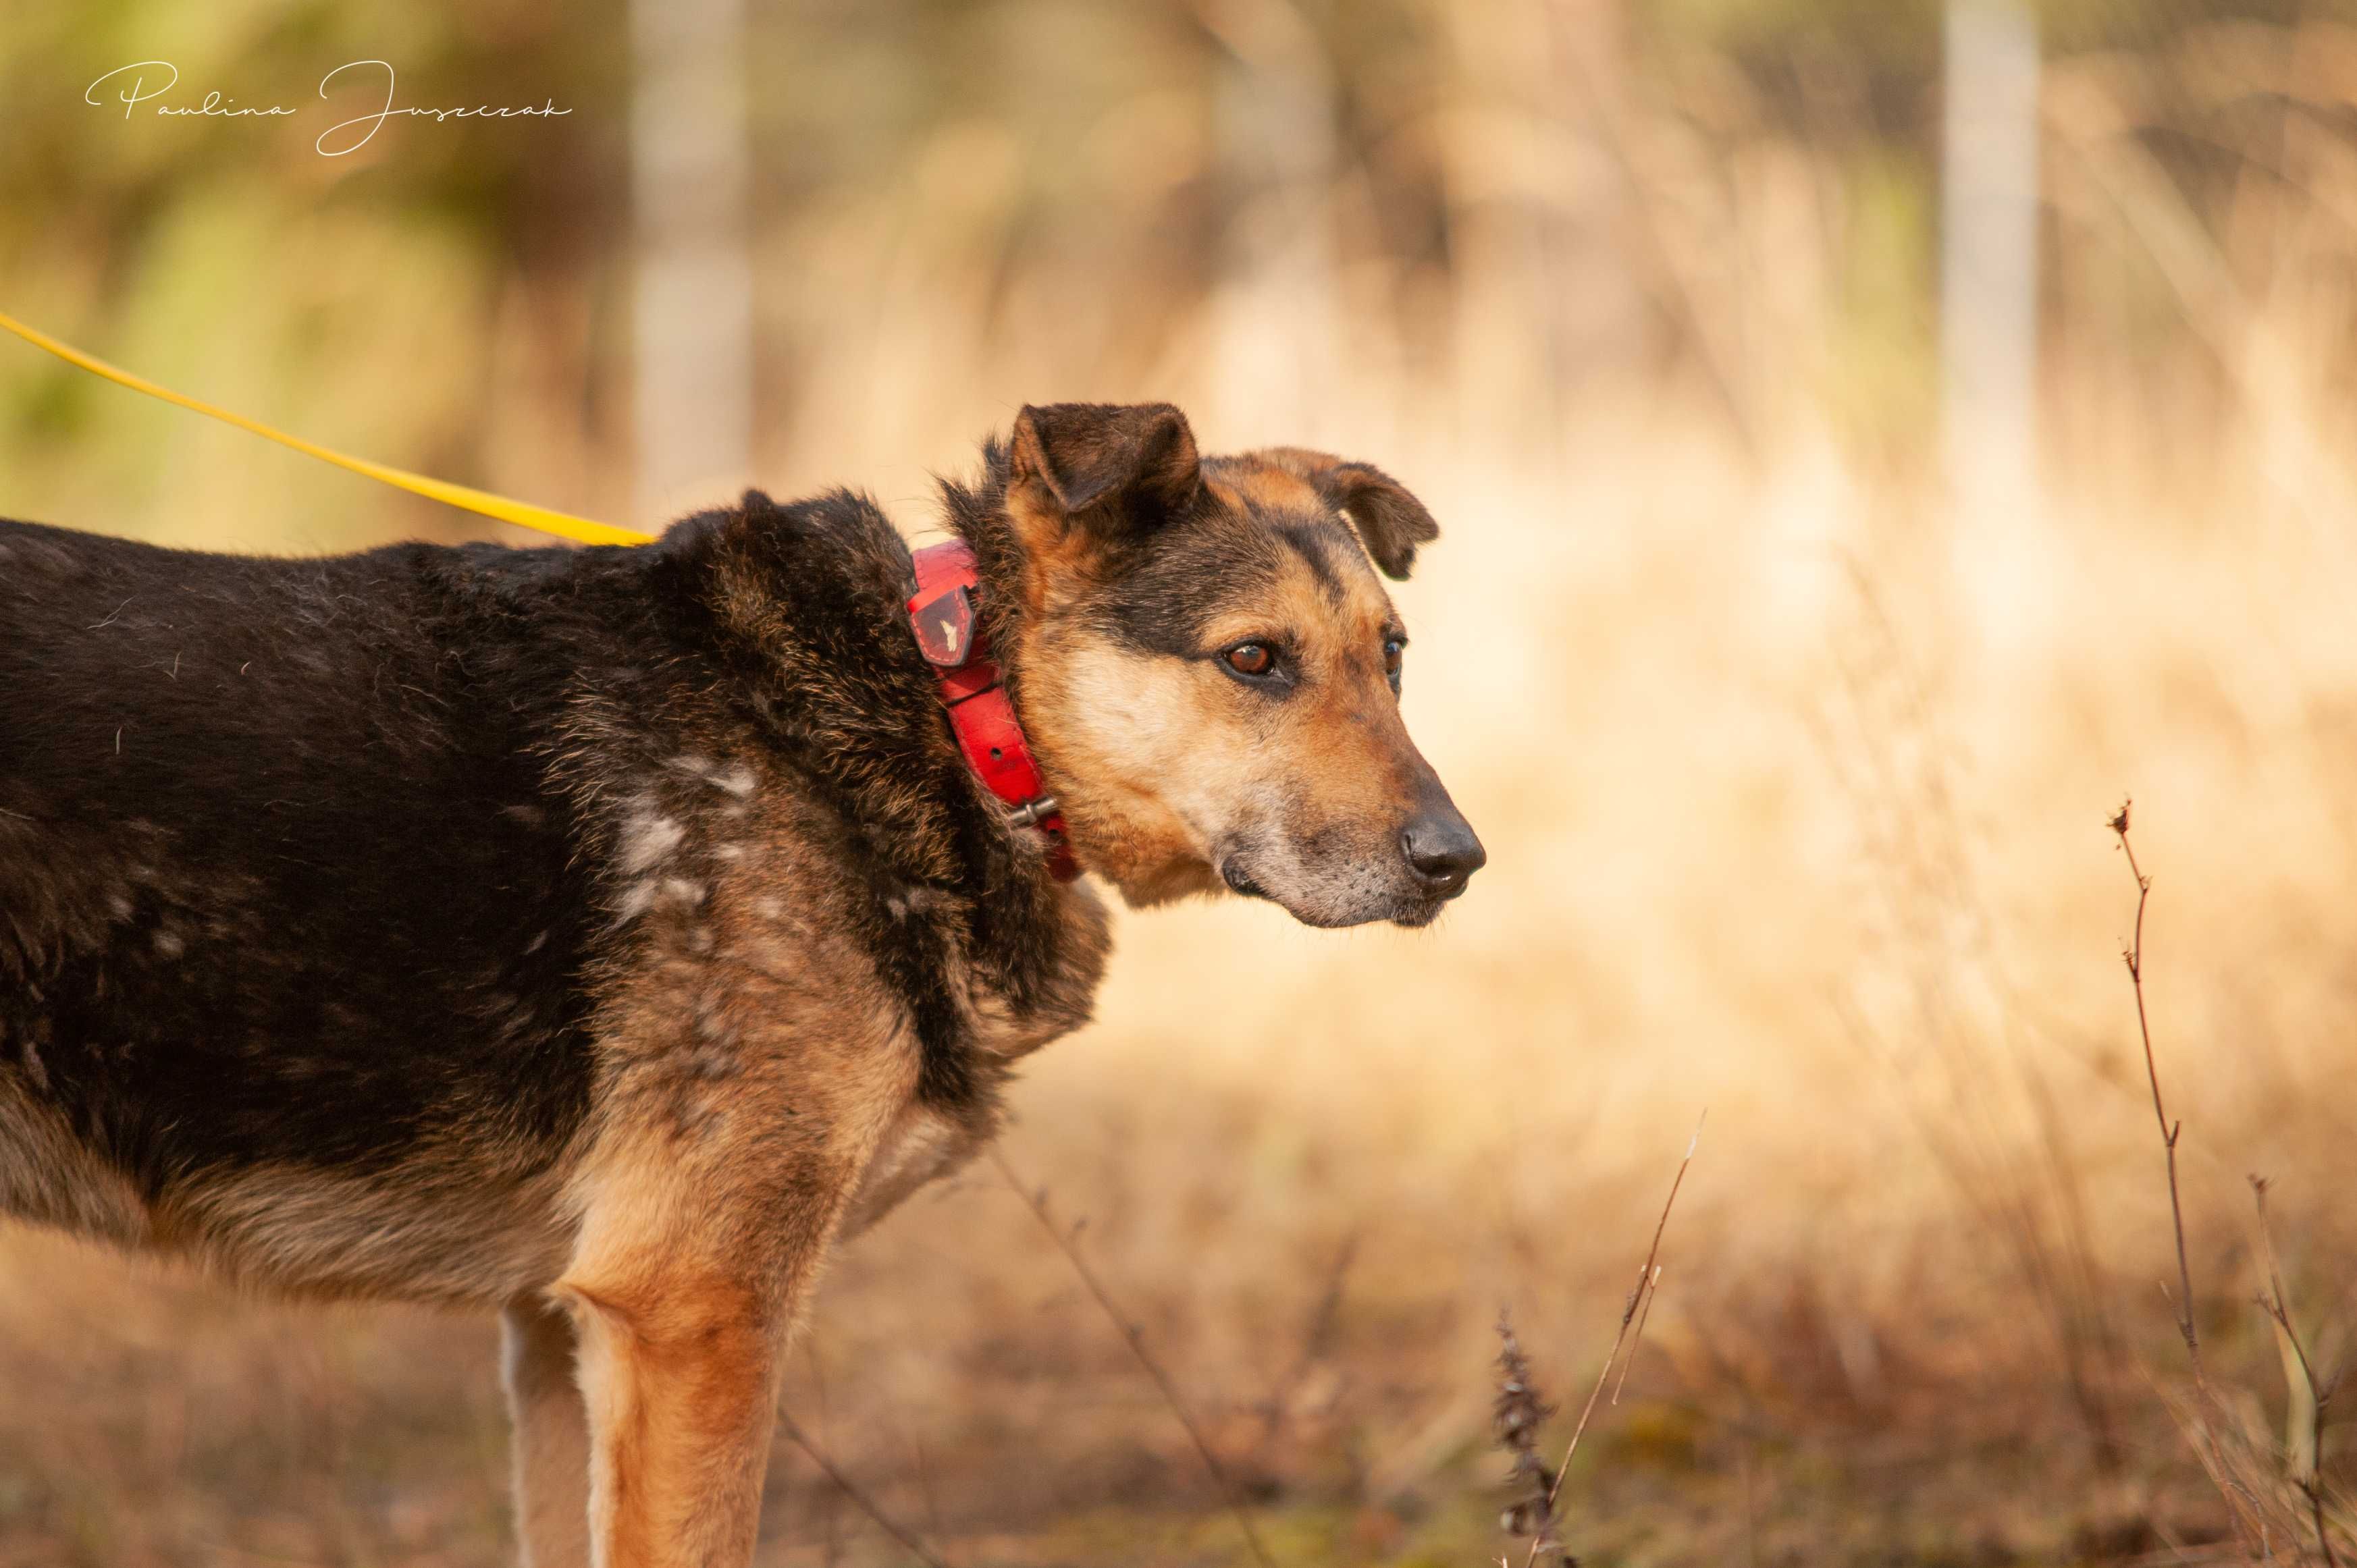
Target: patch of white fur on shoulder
{"points": [[647, 839], [735, 779]]}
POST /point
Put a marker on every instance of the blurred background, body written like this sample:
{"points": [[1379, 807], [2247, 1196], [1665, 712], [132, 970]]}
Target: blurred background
{"points": [[1871, 438]]}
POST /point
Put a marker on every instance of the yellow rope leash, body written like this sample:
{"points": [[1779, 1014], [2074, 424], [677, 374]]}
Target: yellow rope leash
{"points": [[524, 514]]}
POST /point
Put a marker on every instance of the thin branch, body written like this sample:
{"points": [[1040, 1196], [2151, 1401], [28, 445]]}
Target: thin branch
{"points": [[1036, 1202], [865, 1503], [1647, 1273], [2134, 955], [2254, 1519]]}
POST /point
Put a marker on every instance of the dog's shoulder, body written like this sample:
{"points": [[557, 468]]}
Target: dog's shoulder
{"points": [[809, 766]]}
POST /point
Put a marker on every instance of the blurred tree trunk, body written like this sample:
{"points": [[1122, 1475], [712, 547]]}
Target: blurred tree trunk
{"points": [[693, 304], [1274, 362], [1988, 272], [1499, 83]]}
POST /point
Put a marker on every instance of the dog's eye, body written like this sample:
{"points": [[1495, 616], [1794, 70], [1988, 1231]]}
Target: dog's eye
{"points": [[1251, 658], [1394, 655]]}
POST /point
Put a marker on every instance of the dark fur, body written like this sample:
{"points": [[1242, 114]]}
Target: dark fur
{"points": [[305, 861]]}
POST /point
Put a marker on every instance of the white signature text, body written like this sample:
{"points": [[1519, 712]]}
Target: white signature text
{"points": [[144, 82]]}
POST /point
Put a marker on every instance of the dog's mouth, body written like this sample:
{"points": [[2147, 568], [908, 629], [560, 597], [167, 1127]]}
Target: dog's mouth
{"points": [[1414, 914], [1239, 880], [1410, 911]]}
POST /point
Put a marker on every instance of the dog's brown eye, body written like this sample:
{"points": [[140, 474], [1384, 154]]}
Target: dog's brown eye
{"points": [[1251, 658], [1394, 650]]}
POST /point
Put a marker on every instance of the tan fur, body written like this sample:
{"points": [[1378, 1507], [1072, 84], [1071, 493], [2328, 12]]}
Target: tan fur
{"points": [[46, 1174], [693, 1264], [1274, 480], [679, 1382], [1176, 760], [460, 1231]]}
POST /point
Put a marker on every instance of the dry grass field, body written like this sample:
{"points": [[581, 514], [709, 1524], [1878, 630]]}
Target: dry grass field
{"points": [[1794, 776]]}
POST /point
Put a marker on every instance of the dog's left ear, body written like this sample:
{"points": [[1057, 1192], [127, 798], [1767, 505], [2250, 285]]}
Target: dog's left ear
{"points": [[1390, 522], [1107, 470]]}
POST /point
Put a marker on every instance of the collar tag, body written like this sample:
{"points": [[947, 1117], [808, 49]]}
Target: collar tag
{"points": [[944, 628]]}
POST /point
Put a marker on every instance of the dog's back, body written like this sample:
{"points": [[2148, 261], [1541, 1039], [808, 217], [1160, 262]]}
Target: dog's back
{"points": [[267, 827]]}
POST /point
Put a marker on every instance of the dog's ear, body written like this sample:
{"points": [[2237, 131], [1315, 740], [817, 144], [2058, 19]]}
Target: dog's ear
{"points": [[1108, 469], [1390, 522]]}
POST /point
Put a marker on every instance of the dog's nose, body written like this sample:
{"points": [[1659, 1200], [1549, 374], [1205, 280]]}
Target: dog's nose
{"points": [[1443, 850]]}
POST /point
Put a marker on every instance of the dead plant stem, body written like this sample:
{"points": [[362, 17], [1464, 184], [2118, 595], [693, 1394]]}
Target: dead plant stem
{"points": [[2134, 955], [859, 1498], [1037, 1201], [1649, 1277]]}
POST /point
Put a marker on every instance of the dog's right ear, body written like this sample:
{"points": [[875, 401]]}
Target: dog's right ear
{"points": [[1098, 472]]}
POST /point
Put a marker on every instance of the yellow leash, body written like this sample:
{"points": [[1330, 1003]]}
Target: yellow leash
{"points": [[524, 514]]}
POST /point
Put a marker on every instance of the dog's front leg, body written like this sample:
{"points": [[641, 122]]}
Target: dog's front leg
{"points": [[550, 1433], [680, 1380], [737, 1115], [684, 1286]]}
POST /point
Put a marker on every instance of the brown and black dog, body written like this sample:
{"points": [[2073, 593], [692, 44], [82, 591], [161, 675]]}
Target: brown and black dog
{"points": [[602, 935]]}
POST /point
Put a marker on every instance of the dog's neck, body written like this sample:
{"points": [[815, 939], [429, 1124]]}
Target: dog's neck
{"points": [[805, 604], [975, 514], [944, 614], [1106, 840]]}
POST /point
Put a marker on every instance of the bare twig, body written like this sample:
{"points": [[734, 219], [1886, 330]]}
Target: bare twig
{"points": [[859, 1498], [2311, 1484], [2134, 955], [1037, 1201], [1649, 1275], [2226, 1468]]}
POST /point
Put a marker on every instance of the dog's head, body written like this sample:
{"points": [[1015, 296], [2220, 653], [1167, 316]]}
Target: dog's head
{"points": [[1209, 667]]}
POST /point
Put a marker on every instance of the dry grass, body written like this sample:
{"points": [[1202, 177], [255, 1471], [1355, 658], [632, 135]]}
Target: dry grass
{"points": [[1794, 782]]}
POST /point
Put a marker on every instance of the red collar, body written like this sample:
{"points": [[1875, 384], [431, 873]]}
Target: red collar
{"points": [[950, 636]]}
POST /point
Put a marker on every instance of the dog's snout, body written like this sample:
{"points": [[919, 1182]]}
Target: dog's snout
{"points": [[1441, 849]]}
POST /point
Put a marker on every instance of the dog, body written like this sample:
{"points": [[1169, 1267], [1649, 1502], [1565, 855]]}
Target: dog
{"points": [[601, 936]]}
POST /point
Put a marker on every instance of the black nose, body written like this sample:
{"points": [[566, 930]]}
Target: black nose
{"points": [[1443, 850]]}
